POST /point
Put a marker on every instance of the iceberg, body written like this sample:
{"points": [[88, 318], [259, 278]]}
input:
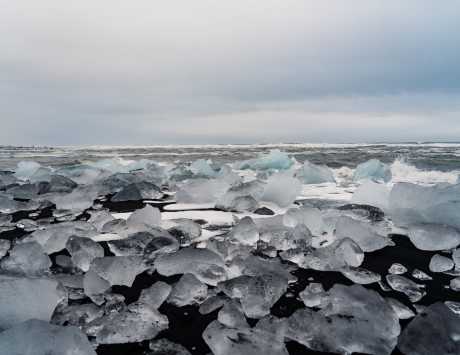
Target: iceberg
{"points": [[315, 174], [372, 170], [275, 159]]}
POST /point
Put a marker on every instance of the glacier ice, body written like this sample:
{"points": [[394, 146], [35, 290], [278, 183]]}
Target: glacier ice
{"points": [[83, 251], [315, 174], [281, 189], [26, 259], [188, 291], [374, 170], [440, 263], [275, 159], [412, 290], [434, 236]]}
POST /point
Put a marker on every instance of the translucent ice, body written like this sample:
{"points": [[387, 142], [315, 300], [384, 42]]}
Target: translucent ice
{"points": [[166, 347], [309, 216], [360, 276], [145, 217], [118, 270], [83, 251], [273, 160], [439, 263], [188, 291], [203, 167], [245, 232], [372, 170], [155, 295], [313, 295], [372, 193], [202, 191], [400, 309], [397, 269], [412, 290], [26, 259], [434, 236], [281, 189], [26, 169], [315, 174], [138, 191]]}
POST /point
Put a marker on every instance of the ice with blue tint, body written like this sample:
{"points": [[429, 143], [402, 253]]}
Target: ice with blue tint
{"points": [[373, 169], [276, 159], [315, 174], [282, 189], [202, 167]]}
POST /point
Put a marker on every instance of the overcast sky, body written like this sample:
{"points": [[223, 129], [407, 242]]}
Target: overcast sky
{"points": [[240, 71]]}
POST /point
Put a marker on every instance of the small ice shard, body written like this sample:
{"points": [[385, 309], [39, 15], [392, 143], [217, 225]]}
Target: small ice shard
{"points": [[372, 170], [420, 275], [402, 284], [134, 324], [372, 193], [361, 233], [26, 169], [76, 314], [400, 309], [26, 259], [455, 284], [202, 191], [356, 320], [439, 263], [245, 232], [155, 295], [313, 295], [166, 347], [207, 266], [315, 174], [282, 189], [223, 340], [397, 269], [37, 337], [94, 286], [23, 298], [83, 251], [360, 276], [188, 291], [53, 238], [203, 167], [453, 306], [334, 257], [118, 270], [434, 331], [309, 216], [99, 218], [138, 191], [145, 217], [231, 315], [275, 159], [257, 294], [434, 236], [4, 247]]}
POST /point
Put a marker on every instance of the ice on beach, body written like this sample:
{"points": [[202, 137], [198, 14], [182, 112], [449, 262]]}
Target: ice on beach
{"points": [[411, 289], [37, 337], [360, 275], [402, 311], [455, 284], [202, 167], [145, 217], [421, 275], [275, 159], [313, 295], [155, 295], [26, 169], [136, 323], [138, 191], [372, 170], [207, 266], [397, 269], [440, 263], [76, 314], [257, 294], [23, 298], [242, 197], [184, 229], [99, 217], [166, 347], [372, 193], [245, 232], [118, 270], [354, 320], [4, 247], [315, 174], [232, 316], [311, 217], [26, 259], [202, 191], [188, 291], [83, 251], [361, 233], [434, 236], [94, 286], [281, 189], [434, 331], [7, 179]]}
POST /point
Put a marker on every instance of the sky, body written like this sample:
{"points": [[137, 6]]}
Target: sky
{"points": [[205, 71]]}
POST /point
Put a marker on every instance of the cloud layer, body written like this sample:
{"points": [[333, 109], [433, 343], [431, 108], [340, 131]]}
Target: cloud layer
{"points": [[152, 72]]}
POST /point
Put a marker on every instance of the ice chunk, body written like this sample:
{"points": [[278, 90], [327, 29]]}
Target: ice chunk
{"points": [[435, 331], [134, 324], [453, 306], [231, 315], [4, 247], [83, 251], [313, 295], [243, 341], [26, 169], [36, 337], [242, 197], [78, 200], [7, 179], [420, 275], [456, 258], [257, 294], [240, 204], [82, 174], [99, 218], [397, 269], [356, 320], [439, 263], [361, 233], [372, 170], [434, 236], [455, 284], [207, 266], [315, 174], [138, 191], [26, 259], [148, 216], [118, 270], [245, 232], [372, 193], [188, 291], [275, 159], [166, 347], [61, 184], [282, 189], [76, 314], [334, 257], [402, 284], [203, 167], [185, 230], [155, 295], [53, 237], [360, 276], [24, 298], [309, 216], [400, 309], [202, 191], [94, 286]]}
